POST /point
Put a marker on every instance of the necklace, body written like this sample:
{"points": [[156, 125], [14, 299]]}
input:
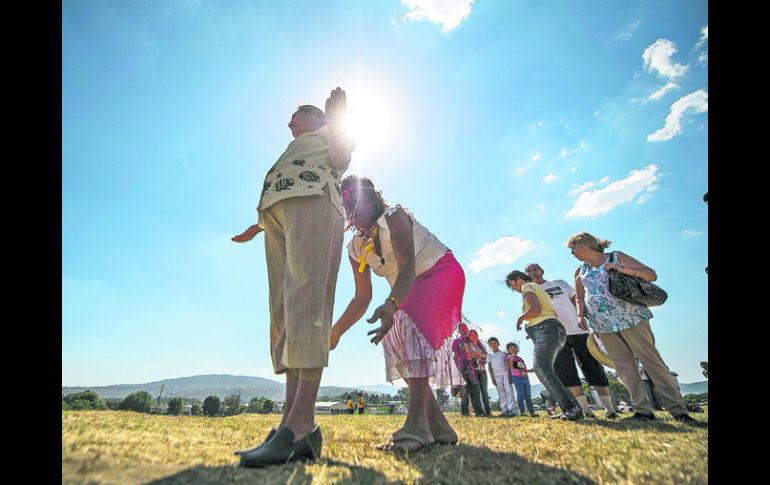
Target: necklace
{"points": [[366, 248]]}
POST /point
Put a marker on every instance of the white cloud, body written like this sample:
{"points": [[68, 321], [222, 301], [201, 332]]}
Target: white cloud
{"points": [[582, 188], [540, 123], [448, 13], [541, 208], [704, 37], [501, 314], [662, 91], [599, 202], [697, 102], [587, 185], [690, 233], [549, 178], [536, 157], [628, 32], [657, 57], [703, 58], [505, 250], [564, 152]]}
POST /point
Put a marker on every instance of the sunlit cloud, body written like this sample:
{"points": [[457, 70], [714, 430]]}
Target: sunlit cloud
{"points": [[564, 152], [505, 250], [583, 187], [448, 13], [501, 314], [657, 57], [541, 208], [628, 31], [662, 91], [693, 103], [704, 37], [549, 178], [639, 184], [690, 233]]}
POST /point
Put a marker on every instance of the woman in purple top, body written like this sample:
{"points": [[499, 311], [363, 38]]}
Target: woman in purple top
{"points": [[519, 378], [479, 353]]}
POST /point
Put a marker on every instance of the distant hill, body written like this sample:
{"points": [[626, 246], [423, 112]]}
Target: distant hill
{"points": [[222, 385], [694, 387], [200, 387]]}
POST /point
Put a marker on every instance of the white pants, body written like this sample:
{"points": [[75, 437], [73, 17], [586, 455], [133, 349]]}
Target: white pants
{"points": [[505, 391]]}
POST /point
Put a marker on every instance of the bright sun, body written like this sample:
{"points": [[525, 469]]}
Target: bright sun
{"points": [[369, 121]]}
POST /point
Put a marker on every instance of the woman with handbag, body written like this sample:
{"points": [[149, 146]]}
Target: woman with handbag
{"points": [[624, 326]]}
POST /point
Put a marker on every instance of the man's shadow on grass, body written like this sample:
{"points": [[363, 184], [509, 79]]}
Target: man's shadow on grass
{"points": [[446, 464]]}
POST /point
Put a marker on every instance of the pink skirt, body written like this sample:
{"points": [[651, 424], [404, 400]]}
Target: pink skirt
{"points": [[420, 342]]}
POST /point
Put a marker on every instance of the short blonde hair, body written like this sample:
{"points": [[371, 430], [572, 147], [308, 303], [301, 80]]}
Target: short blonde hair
{"points": [[589, 241]]}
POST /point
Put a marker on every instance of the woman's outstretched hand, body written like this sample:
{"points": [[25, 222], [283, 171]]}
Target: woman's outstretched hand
{"points": [[384, 313], [248, 234]]}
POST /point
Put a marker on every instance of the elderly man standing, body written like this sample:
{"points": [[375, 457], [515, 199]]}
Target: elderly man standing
{"points": [[563, 302], [301, 214]]}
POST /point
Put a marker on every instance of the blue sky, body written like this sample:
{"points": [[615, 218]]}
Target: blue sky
{"points": [[505, 126]]}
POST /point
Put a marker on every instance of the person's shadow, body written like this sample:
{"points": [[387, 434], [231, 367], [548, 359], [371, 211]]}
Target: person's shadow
{"points": [[459, 464], [289, 474], [470, 464]]}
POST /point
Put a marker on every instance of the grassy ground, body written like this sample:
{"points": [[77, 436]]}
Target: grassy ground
{"points": [[130, 448]]}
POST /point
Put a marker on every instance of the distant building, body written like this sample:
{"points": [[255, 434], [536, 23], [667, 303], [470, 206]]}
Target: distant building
{"points": [[330, 407]]}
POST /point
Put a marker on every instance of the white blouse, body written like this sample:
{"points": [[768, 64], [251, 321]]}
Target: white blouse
{"points": [[427, 248]]}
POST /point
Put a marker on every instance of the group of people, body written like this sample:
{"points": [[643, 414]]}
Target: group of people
{"points": [[507, 371], [304, 210], [550, 310], [360, 405]]}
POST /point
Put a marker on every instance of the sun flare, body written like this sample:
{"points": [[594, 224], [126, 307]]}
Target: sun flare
{"points": [[369, 121]]}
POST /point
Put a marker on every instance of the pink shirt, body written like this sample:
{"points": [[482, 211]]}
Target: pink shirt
{"points": [[519, 367]]}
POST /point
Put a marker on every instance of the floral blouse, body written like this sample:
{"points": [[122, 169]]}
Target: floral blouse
{"points": [[605, 312]]}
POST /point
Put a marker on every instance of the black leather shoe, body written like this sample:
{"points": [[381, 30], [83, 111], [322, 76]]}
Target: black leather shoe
{"points": [[639, 417], [282, 449], [687, 419], [269, 435]]}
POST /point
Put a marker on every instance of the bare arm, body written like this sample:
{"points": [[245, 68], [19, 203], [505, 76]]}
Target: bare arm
{"points": [[580, 300], [357, 305], [534, 309], [628, 265], [248, 234], [341, 143], [402, 240]]}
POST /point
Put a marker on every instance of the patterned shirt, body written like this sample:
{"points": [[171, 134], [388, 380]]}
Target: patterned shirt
{"points": [[460, 351], [519, 369], [605, 312], [304, 169]]}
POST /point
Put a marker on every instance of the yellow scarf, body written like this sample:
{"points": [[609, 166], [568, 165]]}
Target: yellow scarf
{"points": [[366, 248]]}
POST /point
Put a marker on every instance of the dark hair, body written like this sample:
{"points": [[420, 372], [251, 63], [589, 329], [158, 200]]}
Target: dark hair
{"points": [[490, 339], [533, 264], [473, 332], [511, 343], [517, 275], [354, 186]]}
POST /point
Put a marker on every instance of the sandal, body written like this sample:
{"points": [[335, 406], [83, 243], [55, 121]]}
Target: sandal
{"points": [[398, 442]]}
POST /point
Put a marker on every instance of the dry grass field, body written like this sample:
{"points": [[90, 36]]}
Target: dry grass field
{"points": [[115, 447]]}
